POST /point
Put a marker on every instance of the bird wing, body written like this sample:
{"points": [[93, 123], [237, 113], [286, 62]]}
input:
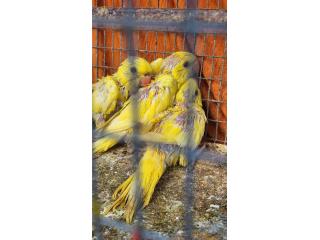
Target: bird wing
{"points": [[172, 127], [104, 97], [150, 101]]}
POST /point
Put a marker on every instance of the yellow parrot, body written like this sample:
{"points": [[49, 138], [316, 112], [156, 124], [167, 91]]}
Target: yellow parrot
{"points": [[180, 126], [110, 92], [151, 100]]}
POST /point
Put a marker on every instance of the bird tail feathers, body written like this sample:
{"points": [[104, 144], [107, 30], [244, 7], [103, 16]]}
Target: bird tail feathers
{"points": [[136, 191]]}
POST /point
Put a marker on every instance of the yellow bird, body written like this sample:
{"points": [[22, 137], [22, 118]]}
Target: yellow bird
{"points": [[155, 98], [180, 126], [146, 104], [110, 92]]}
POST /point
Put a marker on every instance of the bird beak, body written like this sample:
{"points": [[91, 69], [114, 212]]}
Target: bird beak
{"points": [[145, 81]]}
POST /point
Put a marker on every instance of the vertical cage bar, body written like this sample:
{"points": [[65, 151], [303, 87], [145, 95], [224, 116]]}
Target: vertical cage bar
{"points": [[188, 217], [112, 49], [218, 103], [201, 69], [164, 45], [121, 47], [156, 47], [210, 80], [104, 52], [95, 202], [175, 41], [133, 88], [138, 33], [146, 38], [97, 54]]}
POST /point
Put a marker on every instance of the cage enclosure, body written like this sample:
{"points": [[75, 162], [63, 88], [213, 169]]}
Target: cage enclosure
{"points": [[152, 29]]}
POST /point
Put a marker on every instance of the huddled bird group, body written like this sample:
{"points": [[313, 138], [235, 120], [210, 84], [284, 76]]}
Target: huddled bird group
{"points": [[165, 102]]}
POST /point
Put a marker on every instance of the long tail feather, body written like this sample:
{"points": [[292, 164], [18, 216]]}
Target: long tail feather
{"points": [[103, 144], [137, 192]]}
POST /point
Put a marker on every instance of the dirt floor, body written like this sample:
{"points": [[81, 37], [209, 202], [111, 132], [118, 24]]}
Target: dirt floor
{"points": [[165, 212]]}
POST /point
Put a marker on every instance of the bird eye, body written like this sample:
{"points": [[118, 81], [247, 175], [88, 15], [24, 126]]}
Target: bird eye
{"points": [[133, 69], [186, 64]]}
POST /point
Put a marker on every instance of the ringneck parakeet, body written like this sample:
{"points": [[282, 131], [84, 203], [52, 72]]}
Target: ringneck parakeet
{"points": [[180, 126], [151, 100], [110, 92]]}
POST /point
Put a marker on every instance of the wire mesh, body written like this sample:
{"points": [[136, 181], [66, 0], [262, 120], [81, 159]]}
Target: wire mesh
{"points": [[154, 44], [112, 46]]}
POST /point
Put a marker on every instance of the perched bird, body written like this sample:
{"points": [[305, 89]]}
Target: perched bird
{"points": [[151, 100], [110, 92], [146, 104], [180, 126]]}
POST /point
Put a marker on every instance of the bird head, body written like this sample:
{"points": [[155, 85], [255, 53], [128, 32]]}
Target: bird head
{"points": [[189, 93], [135, 69], [182, 65]]}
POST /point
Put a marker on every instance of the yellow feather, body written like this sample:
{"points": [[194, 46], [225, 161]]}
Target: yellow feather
{"points": [[110, 92], [156, 65], [171, 127], [150, 101], [106, 93]]}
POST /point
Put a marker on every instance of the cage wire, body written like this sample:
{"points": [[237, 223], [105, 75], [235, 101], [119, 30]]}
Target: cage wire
{"points": [[191, 30]]}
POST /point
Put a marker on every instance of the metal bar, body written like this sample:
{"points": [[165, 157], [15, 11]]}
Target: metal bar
{"points": [[146, 38], [120, 49], [164, 45], [104, 51], [191, 158], [112, 52], [107, 221], [133, 89], [213, 15], [202, 59], [156, 47], [97, 54], [169, 26]]}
